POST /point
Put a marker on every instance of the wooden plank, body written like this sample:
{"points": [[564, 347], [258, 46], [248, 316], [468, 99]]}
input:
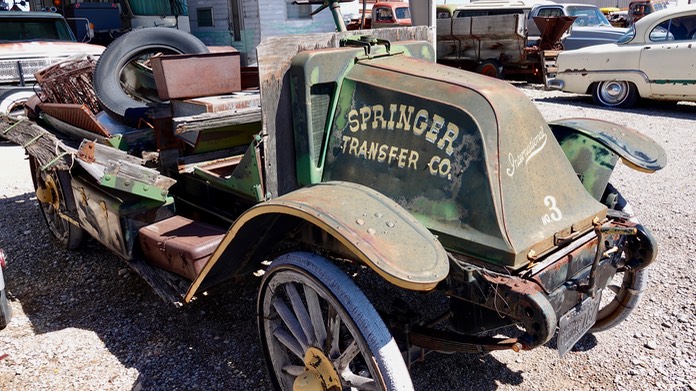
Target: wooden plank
{"points": [[38, 142], [200, 122], [168, 286], [186, 164]]}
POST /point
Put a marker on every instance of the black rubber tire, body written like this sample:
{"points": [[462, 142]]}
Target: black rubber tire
{"points": [[67, 234], [490, 68], [615, 93], [298, 292], [125, 49], [5, 310]]}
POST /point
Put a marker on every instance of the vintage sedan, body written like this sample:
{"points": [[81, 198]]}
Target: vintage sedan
{"points": [[655, 60]]}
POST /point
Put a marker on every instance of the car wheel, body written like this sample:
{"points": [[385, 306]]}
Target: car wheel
{"points": [[12, 101], [56, 202], [124, 88], [319, 331], [491, 68], [615, 93]]}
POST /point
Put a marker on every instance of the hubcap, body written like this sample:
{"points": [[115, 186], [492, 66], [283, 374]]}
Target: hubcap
{"points": [[319, 374], [614, 92]]}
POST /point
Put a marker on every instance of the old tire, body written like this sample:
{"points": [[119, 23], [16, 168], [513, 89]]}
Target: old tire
{"points": [[57, 184], [5, 311], [615, 93], [311, 312], [491, 68], [136, 44], [626, 290]]}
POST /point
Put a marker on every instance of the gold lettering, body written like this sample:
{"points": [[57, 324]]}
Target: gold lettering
{"points": [[353, 148], [392, 153], [412, 159], [438, 122], [433, 165], [372, 153], [404, 121], [363, 149], [365, 114], [378, 117], [403, 154], [353, 123], [345, 143], [450, 135], [382, 153], [421, 122], [392, 114]]}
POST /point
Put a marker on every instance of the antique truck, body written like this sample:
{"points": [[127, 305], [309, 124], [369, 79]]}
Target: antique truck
{"points": [[388, 206]]}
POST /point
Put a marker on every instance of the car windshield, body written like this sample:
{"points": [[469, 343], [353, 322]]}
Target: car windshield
{"points": [[628, 37], [403, 13], [158, 7], [588, 16], [34, 29]]}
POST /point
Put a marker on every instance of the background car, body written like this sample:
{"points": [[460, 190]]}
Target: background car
{"points": [[653, 60], [590, 27]]}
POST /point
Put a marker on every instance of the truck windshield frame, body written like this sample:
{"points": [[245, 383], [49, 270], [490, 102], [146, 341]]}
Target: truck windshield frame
{"points": [[27, 29], [157, 7]]}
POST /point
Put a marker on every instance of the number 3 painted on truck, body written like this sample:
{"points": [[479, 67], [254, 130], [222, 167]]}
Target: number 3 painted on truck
{"points": [[555, 213]]}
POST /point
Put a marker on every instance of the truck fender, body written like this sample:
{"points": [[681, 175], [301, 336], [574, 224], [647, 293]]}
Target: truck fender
{"points": [[375, 229], [637, 150], [594, 146]]}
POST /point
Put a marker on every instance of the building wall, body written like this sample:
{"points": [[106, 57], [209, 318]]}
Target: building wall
{"points": [[219, 34], [251, 32], [260, 19], [274, 20]]}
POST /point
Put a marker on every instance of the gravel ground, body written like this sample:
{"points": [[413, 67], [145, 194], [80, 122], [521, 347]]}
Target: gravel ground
{"points": [[84, 322]]}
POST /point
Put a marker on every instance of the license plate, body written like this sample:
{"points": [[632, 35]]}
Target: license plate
{"points": [[575, 323]]}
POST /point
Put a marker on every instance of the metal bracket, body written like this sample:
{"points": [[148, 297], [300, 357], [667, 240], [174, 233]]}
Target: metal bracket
{"points": [[366, 42]]}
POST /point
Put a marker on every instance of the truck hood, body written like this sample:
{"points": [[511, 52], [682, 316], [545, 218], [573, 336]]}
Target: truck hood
{"points": [[469, 156], [25, 50]]}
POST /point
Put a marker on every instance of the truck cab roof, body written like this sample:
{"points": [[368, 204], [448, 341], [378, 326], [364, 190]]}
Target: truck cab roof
{"points": [[20, 26]]}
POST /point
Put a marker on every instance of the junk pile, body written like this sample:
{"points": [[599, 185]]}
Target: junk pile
{"points": [[144, 95]]}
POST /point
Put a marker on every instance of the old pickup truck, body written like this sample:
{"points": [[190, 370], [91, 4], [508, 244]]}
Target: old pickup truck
{"points": [[363, 175], [30, 41], [494, 37]]}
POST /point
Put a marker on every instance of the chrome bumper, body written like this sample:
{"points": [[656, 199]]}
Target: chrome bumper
{"points": [[554, 84]]}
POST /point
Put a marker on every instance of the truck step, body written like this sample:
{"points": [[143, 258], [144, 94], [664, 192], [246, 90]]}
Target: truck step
{"points": [[180, 245]]}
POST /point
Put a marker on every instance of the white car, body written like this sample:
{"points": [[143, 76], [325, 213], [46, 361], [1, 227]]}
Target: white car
{"points": [[655, 60]]}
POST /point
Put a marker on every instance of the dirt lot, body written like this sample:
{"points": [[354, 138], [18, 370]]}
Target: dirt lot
{"points": [[82, 321]]}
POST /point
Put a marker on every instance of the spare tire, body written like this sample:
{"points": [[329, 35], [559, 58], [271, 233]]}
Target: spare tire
{"points": [[136, 44]]}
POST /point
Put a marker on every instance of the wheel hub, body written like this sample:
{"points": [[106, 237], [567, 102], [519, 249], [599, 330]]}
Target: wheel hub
{"points": [[614, 90], [319, 373], [47, 192]]}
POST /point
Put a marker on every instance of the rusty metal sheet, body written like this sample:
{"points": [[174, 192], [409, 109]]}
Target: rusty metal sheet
{"points": [[75, 114], [179, 76]]}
